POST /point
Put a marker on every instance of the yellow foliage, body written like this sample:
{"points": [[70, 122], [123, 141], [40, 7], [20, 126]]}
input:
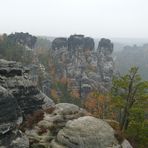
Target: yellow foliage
{"points": [[54, 94], [95, 103], [75, 94]]}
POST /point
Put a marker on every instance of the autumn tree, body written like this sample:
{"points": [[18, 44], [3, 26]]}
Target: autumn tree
{"points": [[97, 104], [127, 91]]}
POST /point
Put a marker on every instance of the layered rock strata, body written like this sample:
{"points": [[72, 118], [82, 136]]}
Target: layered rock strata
{"points": [[88, 69], [69, 126], [19, 97]]}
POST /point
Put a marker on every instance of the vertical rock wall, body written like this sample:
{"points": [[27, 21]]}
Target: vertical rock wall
{"points": [[88, 69]]}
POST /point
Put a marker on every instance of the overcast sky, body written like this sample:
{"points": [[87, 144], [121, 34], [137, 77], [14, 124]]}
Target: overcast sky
{"points": [[96, 18]]}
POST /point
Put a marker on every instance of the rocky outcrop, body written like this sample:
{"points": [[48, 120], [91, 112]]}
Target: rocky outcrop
{"points": [[47, 129], [15, 79], [69, 126], [63, 112], [24, 39], [105, 63], [14, 139], [40, 77], [18, 98], [76, 42], [86, 132], [59, 43], [88, 69]]}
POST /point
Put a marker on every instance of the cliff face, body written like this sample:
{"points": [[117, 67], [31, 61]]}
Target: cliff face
{"points": [[18, 98], [88, 69]]}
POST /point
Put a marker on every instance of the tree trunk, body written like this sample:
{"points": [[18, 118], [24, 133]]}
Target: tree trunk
{"points": [[124, 120]]}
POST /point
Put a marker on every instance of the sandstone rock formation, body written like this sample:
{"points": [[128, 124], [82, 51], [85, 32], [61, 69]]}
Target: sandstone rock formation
{"points": [[59, 43], [15, 79], [69, 126], [53, 122], [86, 132], [105, 62], [63, 112], [23, 38], [14, 139], [88, 69], [63, 125], [18, 98]]}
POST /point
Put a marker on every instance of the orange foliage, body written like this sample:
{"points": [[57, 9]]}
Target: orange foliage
{"points": [[75, 94], [52, 70], [95, 103], [63, 80], [54, 94], [91, 103]]}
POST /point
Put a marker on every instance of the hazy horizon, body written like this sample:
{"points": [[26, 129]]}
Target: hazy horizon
{"points": [[96, 18]]}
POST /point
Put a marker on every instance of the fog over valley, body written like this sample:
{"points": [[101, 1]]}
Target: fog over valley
{"points": [[96, 18]]}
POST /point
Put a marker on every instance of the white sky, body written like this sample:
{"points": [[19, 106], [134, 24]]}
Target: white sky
{"points": [[96, 18]]}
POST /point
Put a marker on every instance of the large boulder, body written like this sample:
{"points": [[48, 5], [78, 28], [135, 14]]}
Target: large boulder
{"points": [[85, 132], [46, 130]]}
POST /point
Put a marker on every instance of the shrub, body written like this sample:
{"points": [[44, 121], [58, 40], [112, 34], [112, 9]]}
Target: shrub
{"points": [[31, 120]]}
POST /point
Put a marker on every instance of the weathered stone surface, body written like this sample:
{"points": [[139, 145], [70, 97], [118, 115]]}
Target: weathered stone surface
{"points": [[63, 112], [76, 42], [10, 114], [87, 69], [105, 46], [69, 126], [23, 38], [18, 98], [67, 111], [86, 132], [15, 79], [52, 123], [14, 139], [105, 63], [89, 43], [126, 144], [59, 43]]}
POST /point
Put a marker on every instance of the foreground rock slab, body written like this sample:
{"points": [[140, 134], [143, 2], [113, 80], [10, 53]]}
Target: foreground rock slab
{"points": [[46, 130], [85, 132]]}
